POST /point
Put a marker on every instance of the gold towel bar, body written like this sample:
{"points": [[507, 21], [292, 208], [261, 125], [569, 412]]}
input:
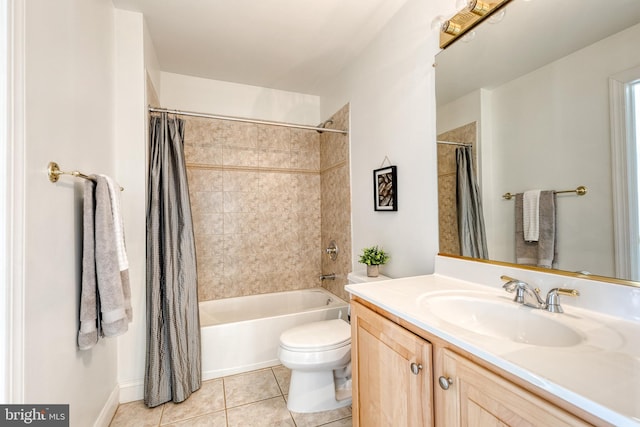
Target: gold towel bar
{"points": [[54, 173], [580, 191]]}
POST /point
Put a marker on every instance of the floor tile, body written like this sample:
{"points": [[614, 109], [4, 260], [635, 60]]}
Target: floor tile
{"points": [[136, 414], [283, 376], [321, 418], [345, 422], [210, 398], [270, 412], [252, 399], [250, 387], [217, 419]]}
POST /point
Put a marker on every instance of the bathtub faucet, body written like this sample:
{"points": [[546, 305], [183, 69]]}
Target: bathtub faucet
{"points": [[331, 276]]}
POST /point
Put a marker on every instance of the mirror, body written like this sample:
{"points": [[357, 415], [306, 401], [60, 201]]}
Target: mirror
{"points": [[529, 89]]}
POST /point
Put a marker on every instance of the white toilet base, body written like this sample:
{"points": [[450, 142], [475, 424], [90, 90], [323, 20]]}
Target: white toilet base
{"points": [[313, 391]]}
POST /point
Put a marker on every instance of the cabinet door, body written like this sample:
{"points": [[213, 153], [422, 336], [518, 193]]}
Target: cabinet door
{"points": [[477, 397], [392, 373]]}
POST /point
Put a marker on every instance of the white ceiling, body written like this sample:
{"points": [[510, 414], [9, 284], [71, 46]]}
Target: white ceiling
{"points": [[290, 45]]}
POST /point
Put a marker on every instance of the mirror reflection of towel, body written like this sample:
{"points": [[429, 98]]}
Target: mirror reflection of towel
{"points": [[542, 253], [531, 215]]}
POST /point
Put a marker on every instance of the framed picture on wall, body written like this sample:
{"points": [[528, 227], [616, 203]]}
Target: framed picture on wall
{"points": [[385, 189]]}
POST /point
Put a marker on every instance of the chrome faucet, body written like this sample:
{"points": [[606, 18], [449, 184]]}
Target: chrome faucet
{"points": [[330, 276], [525, 294], [529, 296]]}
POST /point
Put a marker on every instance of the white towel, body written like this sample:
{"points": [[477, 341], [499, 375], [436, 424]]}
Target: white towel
{"points": [[123, 261], [531, 215], [118, 225]]}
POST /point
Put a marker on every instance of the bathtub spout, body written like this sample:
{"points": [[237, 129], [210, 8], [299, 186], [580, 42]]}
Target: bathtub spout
{"points": [[331, 276]]}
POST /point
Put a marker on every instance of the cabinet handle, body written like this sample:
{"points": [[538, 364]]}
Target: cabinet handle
{"points": [[445, 382], [415, 368]]}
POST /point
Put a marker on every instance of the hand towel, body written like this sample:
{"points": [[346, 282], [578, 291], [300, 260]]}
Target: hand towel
{"points": [[113, 283], [118, 229], [88, 334], [544, 252], [105, 301], [531, 215]]}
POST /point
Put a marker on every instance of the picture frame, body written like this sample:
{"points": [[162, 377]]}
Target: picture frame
{"points": [[385, 189]]}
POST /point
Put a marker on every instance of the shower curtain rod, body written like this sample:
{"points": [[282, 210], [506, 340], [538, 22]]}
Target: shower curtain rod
{"points": [[245, 120], [463, 144]]}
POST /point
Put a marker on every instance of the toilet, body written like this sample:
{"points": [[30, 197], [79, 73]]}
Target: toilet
{"points": [[319, 356]]}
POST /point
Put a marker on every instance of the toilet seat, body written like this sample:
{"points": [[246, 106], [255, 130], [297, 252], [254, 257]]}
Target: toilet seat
{"points": [[317, 336]]}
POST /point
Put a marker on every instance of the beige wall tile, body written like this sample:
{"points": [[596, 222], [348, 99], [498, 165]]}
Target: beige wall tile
{"points": [[274, 159], [203, 202], [307, 160], [336, 203], [274, 138], [242, 135], [239, 157], [257, 213], [204, 180]]}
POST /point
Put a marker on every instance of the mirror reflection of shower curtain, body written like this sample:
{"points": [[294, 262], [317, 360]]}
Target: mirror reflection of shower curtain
{"points": [[173, 368], [473, 241]]}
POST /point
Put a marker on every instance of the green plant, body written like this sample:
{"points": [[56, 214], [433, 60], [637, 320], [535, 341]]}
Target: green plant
{"points": [[373, 256]]}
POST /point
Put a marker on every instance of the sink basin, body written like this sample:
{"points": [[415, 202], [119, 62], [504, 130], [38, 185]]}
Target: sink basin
{"points": [[490, 315]]}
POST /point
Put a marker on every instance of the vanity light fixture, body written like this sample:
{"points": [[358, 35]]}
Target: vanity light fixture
{"points": [[479, 8], [467, 18], [451, 28]]}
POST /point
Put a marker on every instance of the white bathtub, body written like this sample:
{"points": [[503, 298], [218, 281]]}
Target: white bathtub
{"points": [[242, 334]]}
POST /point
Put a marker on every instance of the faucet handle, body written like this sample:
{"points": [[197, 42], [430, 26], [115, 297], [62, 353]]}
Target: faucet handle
{"points": [[553, 299], [514, 285], [568, 292]]}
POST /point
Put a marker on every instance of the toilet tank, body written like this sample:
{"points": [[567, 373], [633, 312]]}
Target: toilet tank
{"points": [[361, 277]]}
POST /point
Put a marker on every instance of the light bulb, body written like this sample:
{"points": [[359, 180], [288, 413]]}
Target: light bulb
{"points": [[468, 36], [497, 16], [437, 22]]}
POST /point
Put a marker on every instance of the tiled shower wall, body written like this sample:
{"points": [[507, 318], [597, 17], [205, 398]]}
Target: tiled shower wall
{"points": [[447, 203], [256, 203], [336, 202]]}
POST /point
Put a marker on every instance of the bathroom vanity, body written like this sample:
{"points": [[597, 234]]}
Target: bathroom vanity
{"points": [[445, 351]]}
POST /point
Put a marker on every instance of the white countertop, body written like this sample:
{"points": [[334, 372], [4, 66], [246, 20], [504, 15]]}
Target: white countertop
{"points": [[601, 374]]}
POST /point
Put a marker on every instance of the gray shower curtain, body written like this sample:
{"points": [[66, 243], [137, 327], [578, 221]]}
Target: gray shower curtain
{"points": [[173, 368], [473, 242]]}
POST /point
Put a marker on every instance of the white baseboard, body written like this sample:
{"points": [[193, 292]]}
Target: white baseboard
{"points": [[131, 391], [109, 409]]}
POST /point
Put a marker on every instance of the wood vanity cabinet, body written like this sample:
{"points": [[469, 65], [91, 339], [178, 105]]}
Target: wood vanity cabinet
{"points": [[389, 389], [392, 373], [475, 396]]}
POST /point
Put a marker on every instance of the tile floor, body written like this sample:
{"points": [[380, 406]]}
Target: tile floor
{"points": [[252, 399]]}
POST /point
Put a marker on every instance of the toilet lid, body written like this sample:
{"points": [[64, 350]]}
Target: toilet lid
{"points": [[324, 335]]}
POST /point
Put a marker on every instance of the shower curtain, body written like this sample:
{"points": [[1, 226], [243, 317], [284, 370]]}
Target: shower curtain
{"points": [[173, 367], [473, 242]]}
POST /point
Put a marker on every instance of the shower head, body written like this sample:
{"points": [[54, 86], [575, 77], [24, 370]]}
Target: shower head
{"points": [[324, 125]]}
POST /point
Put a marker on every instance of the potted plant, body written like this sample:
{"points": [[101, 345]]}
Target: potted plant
{"points": [[373, 257]]}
